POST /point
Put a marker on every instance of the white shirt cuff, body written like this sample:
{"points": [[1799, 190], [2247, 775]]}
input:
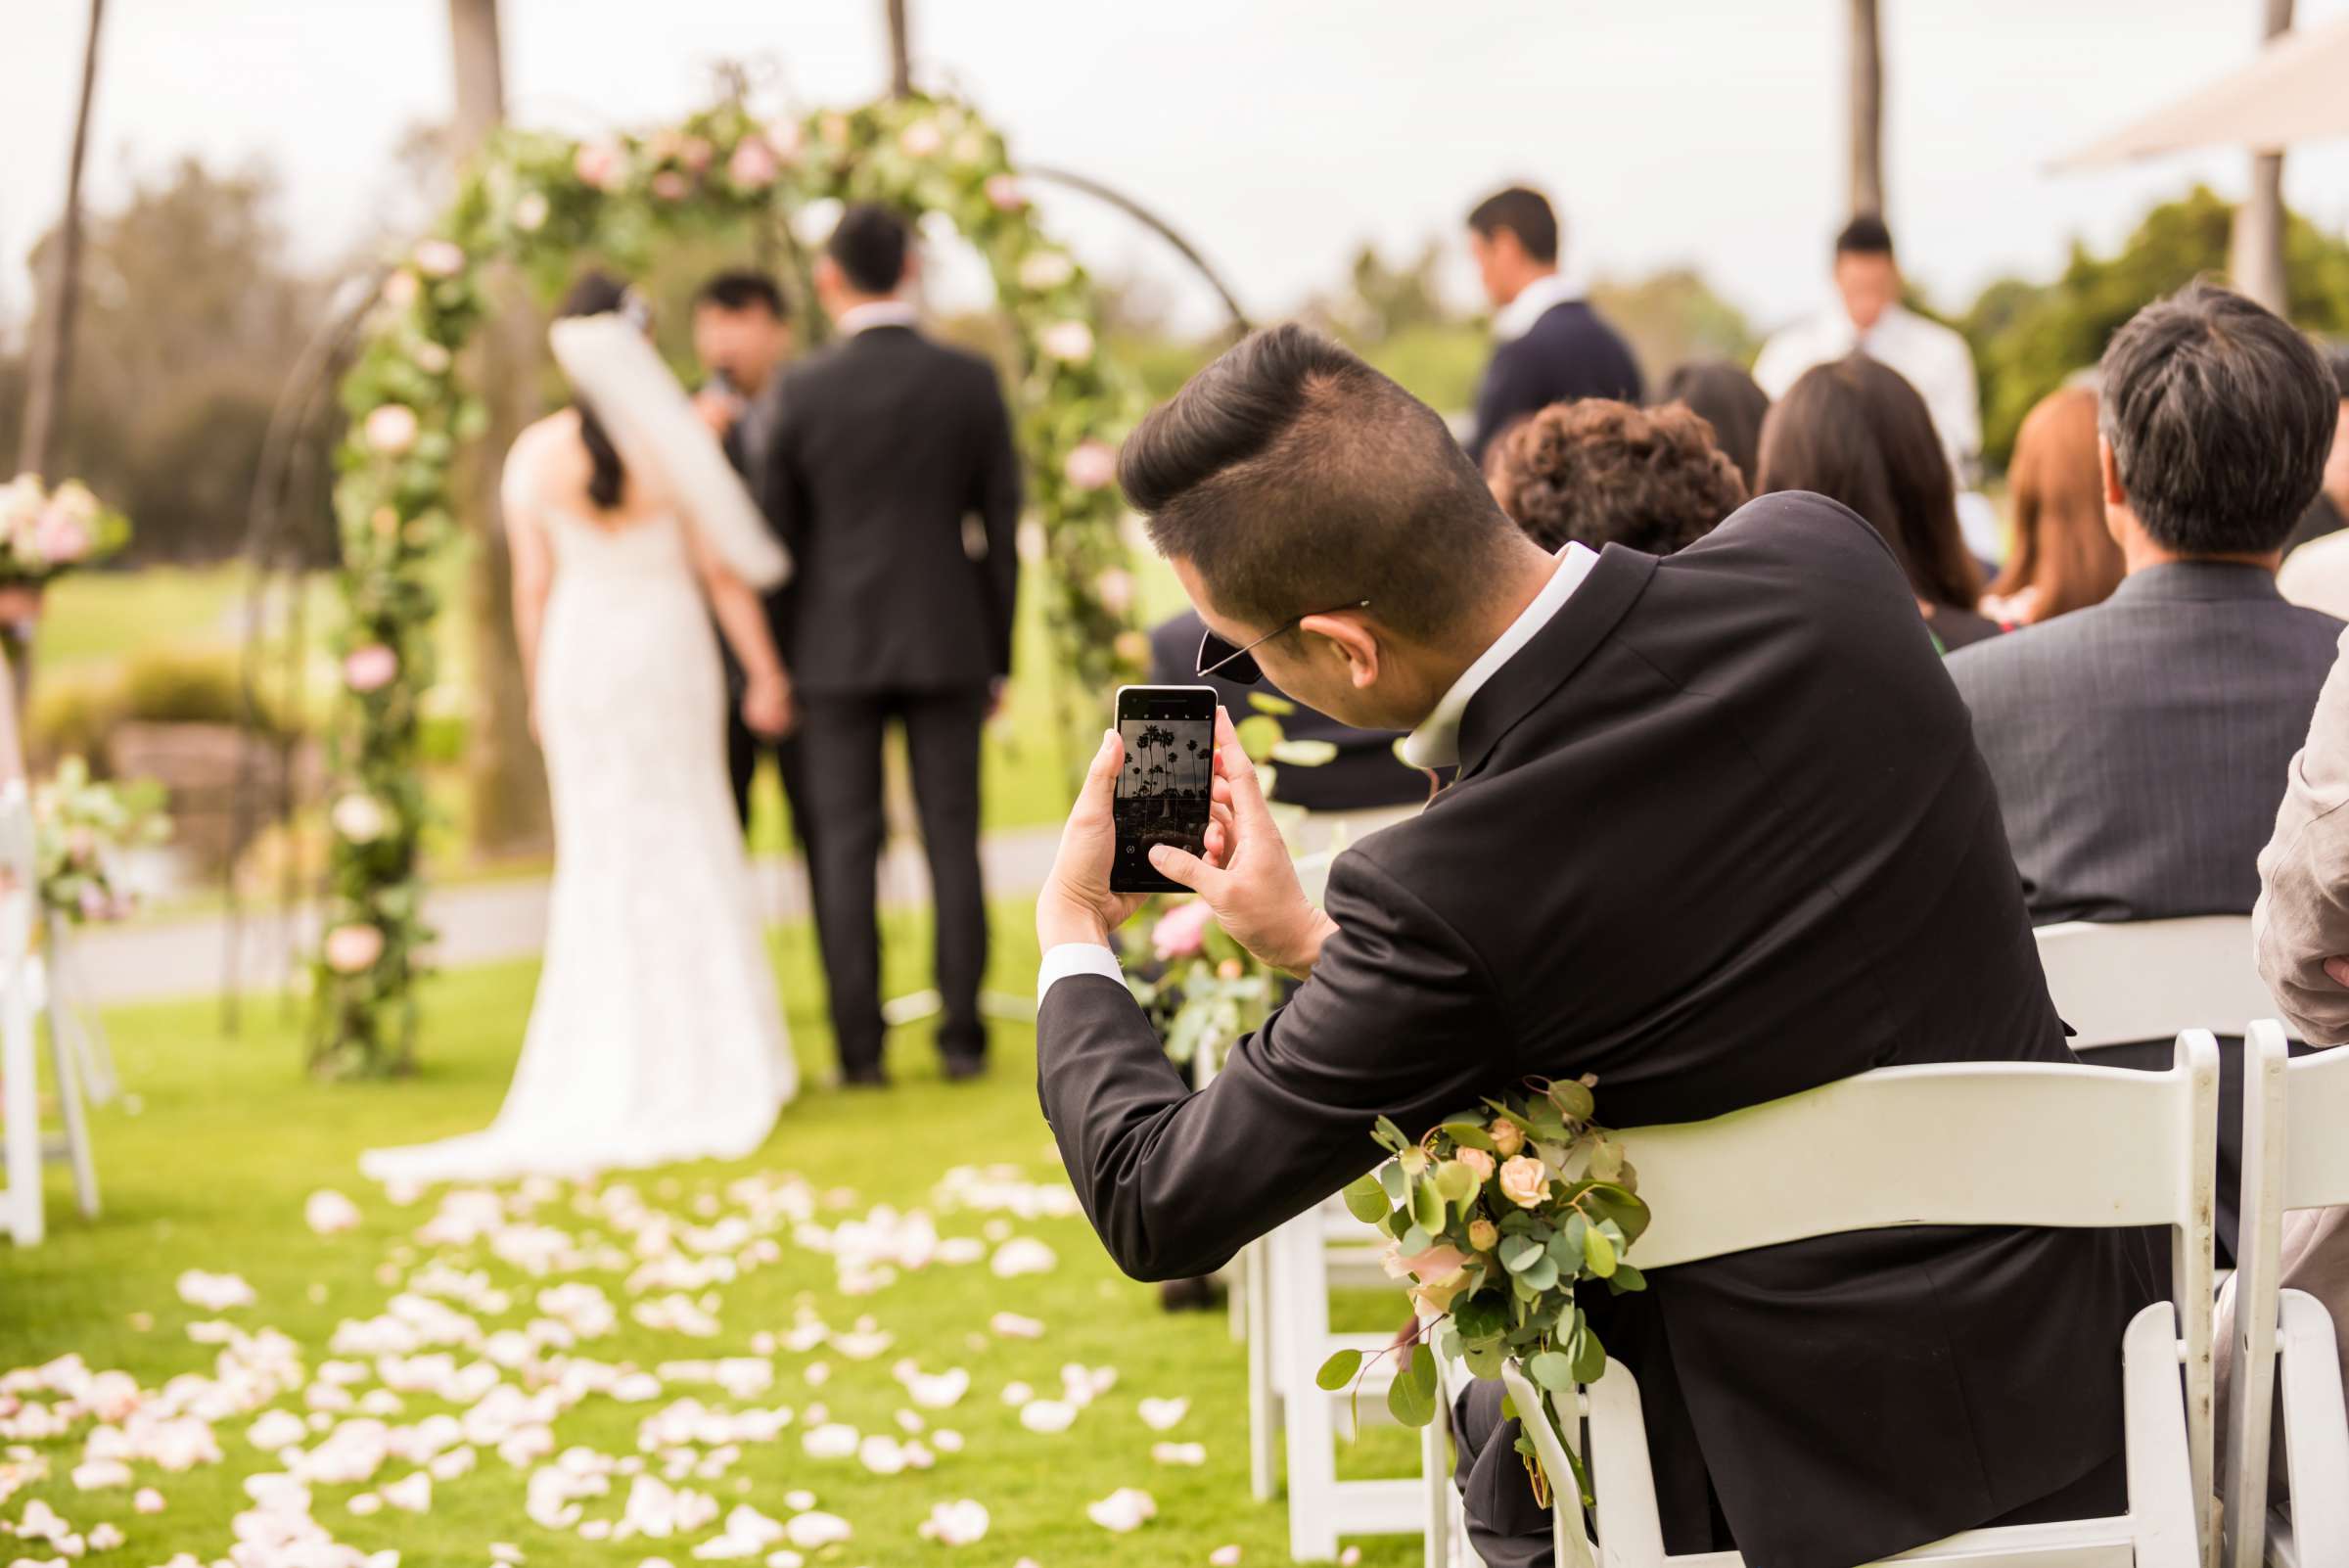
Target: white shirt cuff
{"points": [[1076, 958]]}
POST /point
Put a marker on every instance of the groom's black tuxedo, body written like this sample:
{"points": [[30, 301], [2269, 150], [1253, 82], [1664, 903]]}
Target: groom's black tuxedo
{"points": [[1719, 834], [892, 476]]}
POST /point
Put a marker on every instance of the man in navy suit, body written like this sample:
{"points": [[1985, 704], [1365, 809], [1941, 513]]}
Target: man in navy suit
{"points": [[1551, 347]]}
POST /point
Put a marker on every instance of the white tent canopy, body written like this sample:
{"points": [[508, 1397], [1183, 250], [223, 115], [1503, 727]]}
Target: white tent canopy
{"points": [[2297, 90]]}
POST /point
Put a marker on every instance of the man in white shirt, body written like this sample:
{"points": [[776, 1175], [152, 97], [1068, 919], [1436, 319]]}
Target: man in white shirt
{"points": [[1871, 319]]}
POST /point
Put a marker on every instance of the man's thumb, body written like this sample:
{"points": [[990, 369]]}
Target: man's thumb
{"points": [[1102, 777], [1182, 866]]}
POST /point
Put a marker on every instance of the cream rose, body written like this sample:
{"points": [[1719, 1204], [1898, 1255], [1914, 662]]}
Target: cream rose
{"points": [[531, 212], [370, 669], [438, 258], [921, 139], [1508, 1138], [1476, 1160], [400, 288], [1044, 270], [390, 429], [1070, 342], [1482, 1234], [1003, 192], [599, 165], [1091, 464], [353, 949], [1524, 1182], [753, 165]]}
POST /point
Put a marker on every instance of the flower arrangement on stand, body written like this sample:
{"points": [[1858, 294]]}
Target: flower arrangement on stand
{"points": [[1499, 1217], [538, 201], [46, 533], [82, 827]]}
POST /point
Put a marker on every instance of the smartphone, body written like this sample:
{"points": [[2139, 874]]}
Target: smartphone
{"points": [[1164, 782]]}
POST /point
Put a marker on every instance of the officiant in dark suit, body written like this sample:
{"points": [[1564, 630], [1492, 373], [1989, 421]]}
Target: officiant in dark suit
{"points": [[892, 474], [1550, 344], [1719, 835], [741, 334]]}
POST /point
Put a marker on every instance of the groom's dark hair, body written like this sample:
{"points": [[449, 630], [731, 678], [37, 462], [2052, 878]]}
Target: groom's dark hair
{"points": [[869, 245], [1295, 479]]}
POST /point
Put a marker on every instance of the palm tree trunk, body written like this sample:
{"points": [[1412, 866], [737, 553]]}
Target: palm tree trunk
{"points": [[51, 357], [901, 59], [2257, 244], [508, 779], [1867, 110]]}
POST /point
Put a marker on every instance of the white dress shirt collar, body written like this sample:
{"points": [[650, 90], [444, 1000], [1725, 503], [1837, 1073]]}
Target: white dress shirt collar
{"points": [[1534, 301], [1436, 743], [876, 313]]}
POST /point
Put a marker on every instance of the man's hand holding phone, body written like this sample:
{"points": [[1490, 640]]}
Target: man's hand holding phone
{"points": [[1246, 875]]}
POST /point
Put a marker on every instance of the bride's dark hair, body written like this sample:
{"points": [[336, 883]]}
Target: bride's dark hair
{"points": [[598, 294]]}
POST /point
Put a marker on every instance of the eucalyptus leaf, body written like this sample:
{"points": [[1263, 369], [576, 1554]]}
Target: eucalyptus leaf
{"points": [[1427, 1206], [1482, 1360], [1573, 1100], [1625, 1277], [1411, 1397], [1468, 1135], [1606, 1161], [1541, 1273], [1517, 1252], [1366, 1200], [1264, 702], [1258, 735], [1391, 1178], [1552, 1370], [1389, 1135], [1599, 1252], [1415, 1241], [1304, 753], [1455, 1182], [1339, 1371], [1590, 1355]]}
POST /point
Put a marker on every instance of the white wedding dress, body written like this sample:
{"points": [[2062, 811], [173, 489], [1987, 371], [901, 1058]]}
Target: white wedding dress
{"points": [[656, 1035]]}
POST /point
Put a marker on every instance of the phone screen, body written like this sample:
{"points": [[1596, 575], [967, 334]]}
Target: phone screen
{"points": [[1164, 781]]}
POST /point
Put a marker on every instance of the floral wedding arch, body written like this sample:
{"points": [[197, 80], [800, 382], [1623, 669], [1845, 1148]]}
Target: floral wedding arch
{"points": [[537, 201]]}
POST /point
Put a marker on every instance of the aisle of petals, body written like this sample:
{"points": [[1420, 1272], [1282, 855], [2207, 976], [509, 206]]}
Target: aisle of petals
{"points": [[461, 1383]]}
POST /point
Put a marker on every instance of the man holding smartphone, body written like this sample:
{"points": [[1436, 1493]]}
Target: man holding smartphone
{"points": [[1719, 835]]}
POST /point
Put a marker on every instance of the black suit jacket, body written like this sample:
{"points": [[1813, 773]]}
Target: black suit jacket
{"points": [[1364, 774], [1719, 835], [1569, 352], [2140, 746], [892, 479]]}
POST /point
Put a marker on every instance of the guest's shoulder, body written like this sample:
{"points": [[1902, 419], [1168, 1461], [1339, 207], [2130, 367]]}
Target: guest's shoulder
{"points": [[1995, 665], [1796, 522]]}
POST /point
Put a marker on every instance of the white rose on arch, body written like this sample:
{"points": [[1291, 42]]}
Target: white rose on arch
{"points": [[1045, 270], [1069, 342]]}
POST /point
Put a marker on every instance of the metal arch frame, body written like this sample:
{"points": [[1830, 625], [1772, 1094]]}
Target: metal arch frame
{"points": [[271, 550]]}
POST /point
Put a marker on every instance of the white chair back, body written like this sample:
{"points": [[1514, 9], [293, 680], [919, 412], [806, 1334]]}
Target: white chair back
{"points": [[2294, 1157], [2123, 982], [1987, 1143]]}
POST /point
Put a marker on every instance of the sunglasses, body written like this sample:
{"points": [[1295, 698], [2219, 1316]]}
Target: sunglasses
{"points": [[1238, 664]]}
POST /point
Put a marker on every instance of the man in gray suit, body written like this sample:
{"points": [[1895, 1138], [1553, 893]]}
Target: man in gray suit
{"points": [[2139, 746]]}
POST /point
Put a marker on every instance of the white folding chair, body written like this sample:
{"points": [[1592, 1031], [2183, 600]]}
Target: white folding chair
{"points": [[1989, 1143], [2294, 1157], [21, 988], [2122, 981]]}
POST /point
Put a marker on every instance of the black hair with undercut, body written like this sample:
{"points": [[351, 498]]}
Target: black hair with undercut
{"points": [[1295, 479]]}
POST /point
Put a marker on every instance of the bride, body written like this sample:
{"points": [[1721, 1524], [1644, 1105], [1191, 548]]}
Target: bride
{"points": [[655, 1036]]}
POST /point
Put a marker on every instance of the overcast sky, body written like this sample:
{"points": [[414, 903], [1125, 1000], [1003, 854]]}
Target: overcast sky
{"points": [[1276, 136]]}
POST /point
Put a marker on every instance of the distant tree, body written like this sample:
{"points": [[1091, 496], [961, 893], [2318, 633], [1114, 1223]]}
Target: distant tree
{"points": [[1673, 317], [2027, 337]]}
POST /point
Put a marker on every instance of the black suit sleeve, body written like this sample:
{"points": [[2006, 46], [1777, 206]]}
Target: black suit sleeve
{"points": [[995, 497], [783, 491], [1510, 391], [1399, 1018]]}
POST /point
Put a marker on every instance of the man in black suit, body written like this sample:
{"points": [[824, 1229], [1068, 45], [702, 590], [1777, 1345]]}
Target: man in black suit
{"points": [[1552, 346], [892, 474], [741, 334], [2140, 746], [1719, 835]]}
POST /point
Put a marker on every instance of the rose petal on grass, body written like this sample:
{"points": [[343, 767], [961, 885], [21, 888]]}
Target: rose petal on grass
{"points": [[1186, 1453], [1011, 1325], [1162, 1416], [1224, 1557], [1125, 1509], [1047, 1416], [955, 1524]]}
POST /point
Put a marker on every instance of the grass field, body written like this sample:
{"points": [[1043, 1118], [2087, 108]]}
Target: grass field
{"points": [[212, 1171]]}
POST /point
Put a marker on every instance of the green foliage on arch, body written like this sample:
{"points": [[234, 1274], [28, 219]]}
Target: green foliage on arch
{"points": [[538, 201]]}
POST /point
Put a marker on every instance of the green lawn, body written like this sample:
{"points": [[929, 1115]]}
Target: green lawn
{"points": [[213, 1170]]}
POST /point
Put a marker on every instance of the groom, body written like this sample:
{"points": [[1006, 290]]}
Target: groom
{"points": [[891, 472], [1719, 834]]}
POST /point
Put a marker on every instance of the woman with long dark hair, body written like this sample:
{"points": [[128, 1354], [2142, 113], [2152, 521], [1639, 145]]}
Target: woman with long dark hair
{"points": [[655, 1036], [1729, 400], [1855, 432]]}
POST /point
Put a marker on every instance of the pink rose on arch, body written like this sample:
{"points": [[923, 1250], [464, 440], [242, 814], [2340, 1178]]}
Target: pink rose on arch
{"points": [[438, 258], [1115, 588], [390, 429], [1477, 1160], [670, 186], [531, 211], [753, 165], [1182, 932], [400, 288], [353, 949], [1524, 1182], [786, 139], [1005, 193], [370, 669], [1091, 464], [62, 537], [696, 153], [599, 165], [921, 139], [1071, 341]]}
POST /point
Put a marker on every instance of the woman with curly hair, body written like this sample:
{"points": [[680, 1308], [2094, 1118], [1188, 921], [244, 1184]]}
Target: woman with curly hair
{"points": [[1599, 472]]}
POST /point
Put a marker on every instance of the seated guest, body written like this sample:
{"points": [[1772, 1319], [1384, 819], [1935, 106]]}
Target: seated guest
{"points": [[2300, 934], [2139, 746], [1550, 346], [1601, 473], [1856, 431], [2064, 556], [2316, 559], [1719, 835], [1729, 400], [1365, 777]]}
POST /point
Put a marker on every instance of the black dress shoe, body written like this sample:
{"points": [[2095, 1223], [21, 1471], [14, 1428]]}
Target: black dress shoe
{"points": [[863, 1078], [1189, 1295], [963, 1069]]}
